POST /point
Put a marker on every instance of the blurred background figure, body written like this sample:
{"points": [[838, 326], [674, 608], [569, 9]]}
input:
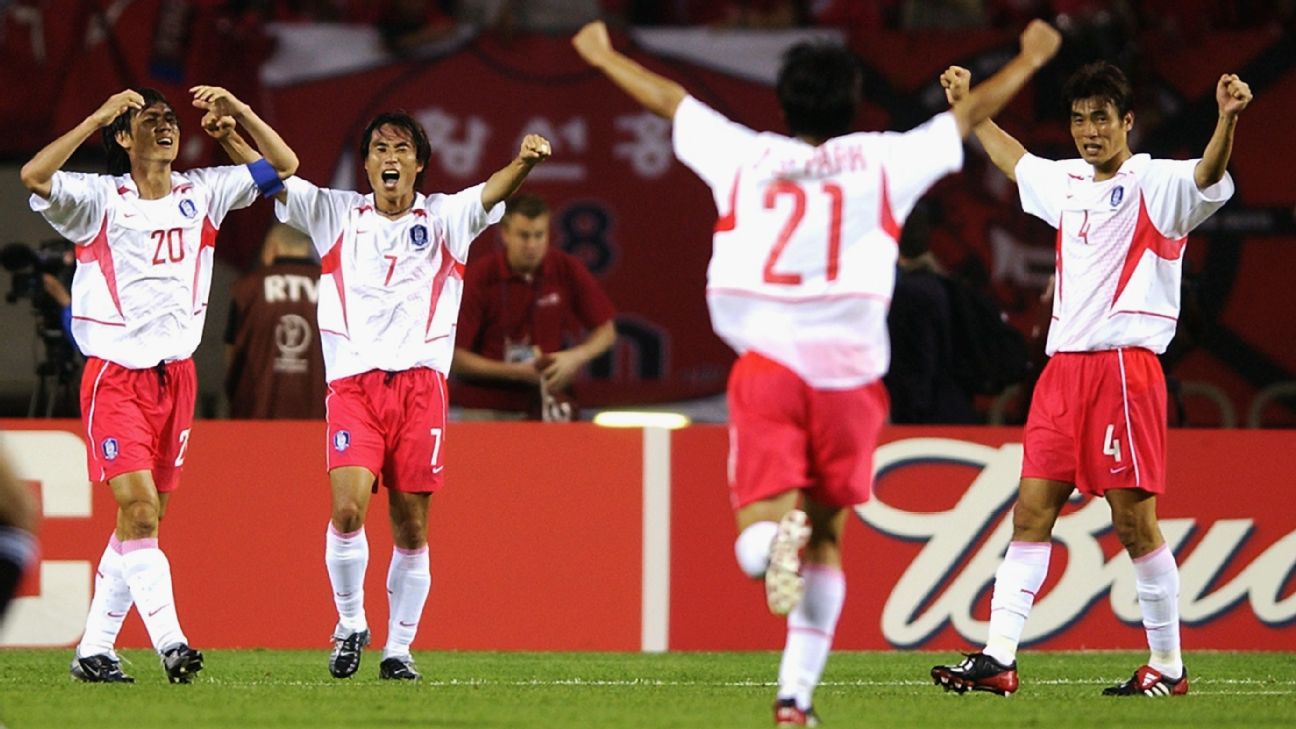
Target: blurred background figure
{"points": [[42, 275], [522, 306], [275, 368], [921, 380], [17, 533]]}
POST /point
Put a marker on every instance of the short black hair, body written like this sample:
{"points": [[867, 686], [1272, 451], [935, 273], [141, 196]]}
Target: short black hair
{"points": [[528, 206], [401, 120], [819, 89], [118, 157], [1100, 80]]}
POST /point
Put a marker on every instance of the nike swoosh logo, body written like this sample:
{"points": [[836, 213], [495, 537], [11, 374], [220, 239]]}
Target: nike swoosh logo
{"points": [[1118, 470], [438, 469], [344, 594], [404, 624], [155, 612], [112, 614]]}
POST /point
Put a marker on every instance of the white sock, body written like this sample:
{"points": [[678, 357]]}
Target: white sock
{"points": [[112, 601], [408, 581], [347, 557], [148, 575], [753, 547], [810, 630], [1016, 582], [1157, 579]]}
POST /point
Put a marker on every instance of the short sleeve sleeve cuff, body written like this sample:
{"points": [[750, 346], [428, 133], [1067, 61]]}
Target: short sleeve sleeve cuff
{"points": [[40, 204], [1219, 192]]}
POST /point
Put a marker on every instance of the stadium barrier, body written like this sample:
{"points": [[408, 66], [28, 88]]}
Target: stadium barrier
{"points": [[574, 537]]}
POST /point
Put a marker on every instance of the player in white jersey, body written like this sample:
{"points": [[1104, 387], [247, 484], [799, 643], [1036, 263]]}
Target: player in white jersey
{"points": [[1097, 420], [801, 274], [144, 238], [391, 284]]}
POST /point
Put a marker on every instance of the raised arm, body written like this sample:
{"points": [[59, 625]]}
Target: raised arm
{"points": [[1039, 43], [655, 93], [38, 173], [1004, 151], [500, 185], [1233, 95], [222, 129], [219, 102]]}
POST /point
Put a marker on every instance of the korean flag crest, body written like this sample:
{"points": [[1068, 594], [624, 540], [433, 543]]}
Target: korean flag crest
{"points": [[187, 208], [110, 449], [341, 441], [418, 236], [1117, 195]]}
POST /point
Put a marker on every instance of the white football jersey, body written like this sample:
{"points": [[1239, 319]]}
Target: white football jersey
{"points": [[139, 294], [1120, 246], [804, 254], [389, 290]]}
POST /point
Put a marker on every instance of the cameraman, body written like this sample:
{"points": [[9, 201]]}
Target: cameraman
{"points": [[57, 291], [43, 275]]}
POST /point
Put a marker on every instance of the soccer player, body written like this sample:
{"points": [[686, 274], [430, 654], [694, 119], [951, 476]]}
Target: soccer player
{"points": [[145, 235], [801, 273], [389, 296], [1097, 421]]}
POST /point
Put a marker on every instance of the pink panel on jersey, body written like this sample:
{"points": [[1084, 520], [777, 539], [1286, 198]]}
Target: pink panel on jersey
{"points": [[449, 268], [98, 251], [888, 222], [1146, 238], [331, 263], [1057, 259], [208, 240], [729, 220]]}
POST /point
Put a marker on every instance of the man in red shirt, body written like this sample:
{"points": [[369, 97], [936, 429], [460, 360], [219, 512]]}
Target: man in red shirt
{"points": [[520, 305]]}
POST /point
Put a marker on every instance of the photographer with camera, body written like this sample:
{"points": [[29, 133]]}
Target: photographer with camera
{"points": [[43, 275], [145, 236]]}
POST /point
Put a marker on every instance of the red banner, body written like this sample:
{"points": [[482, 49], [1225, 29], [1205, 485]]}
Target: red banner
{"points": [[540, 522]]}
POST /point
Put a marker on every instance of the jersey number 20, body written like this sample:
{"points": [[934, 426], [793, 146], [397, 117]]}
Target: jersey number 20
{"points": [[173, 240]]}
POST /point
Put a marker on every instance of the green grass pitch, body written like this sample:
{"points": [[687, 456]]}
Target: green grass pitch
{"points": [[262, 688]]}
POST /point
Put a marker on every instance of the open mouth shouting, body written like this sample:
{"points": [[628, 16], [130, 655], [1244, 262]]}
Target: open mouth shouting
{"points": [[390, 178]]}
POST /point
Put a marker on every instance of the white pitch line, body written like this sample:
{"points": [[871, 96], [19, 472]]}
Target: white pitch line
{"points": [[655, 683]]}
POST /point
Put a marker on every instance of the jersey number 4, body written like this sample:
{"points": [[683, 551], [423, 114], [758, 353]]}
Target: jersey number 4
{"points": [[173, 241]]}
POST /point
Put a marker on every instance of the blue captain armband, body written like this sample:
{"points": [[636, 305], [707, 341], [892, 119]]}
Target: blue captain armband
{"points": [[266, 178]]}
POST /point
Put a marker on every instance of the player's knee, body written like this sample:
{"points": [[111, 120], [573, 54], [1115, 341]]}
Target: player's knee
{"points": [[1032, 524], [1136, 535], [348, 517], [140, 518], [410, 534]]}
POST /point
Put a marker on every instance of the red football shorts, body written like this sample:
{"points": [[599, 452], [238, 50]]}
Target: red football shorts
{"points": [[784, 435], [1098, 420], [137, 420], [392, 423]]}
